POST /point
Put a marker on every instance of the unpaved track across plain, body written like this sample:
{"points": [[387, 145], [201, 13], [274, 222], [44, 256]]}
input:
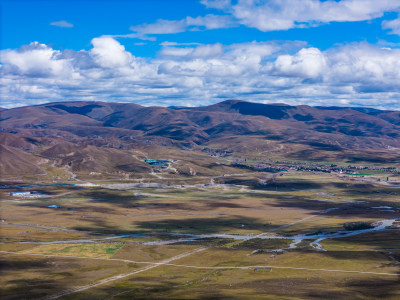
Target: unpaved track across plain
{"points": [[167, 263], [116, 277]]}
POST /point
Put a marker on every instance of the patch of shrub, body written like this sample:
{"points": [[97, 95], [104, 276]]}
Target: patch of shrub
{"points": [[357, 226]]}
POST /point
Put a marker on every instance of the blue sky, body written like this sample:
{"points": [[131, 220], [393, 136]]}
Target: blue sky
{"points": [[190, 52]]}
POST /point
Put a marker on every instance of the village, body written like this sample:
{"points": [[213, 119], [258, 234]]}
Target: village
{"points": [[308, 166]]}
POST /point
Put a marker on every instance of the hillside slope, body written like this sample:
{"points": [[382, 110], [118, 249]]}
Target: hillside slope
{"points": [[100, 136]]}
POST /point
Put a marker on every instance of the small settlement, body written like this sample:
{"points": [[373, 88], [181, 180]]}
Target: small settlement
{"points": [[158, 162], [26, 194]]}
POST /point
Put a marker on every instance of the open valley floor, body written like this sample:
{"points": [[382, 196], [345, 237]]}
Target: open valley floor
{"points": [[302, 235]]}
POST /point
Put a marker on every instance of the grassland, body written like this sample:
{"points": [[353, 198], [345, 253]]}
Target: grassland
{"points": [[189, 239]]}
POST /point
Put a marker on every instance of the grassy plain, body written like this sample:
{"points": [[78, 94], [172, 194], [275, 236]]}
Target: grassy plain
{"points": [[116, 227]]}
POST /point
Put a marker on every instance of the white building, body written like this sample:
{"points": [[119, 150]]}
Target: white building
{"points": [[22, 193]]}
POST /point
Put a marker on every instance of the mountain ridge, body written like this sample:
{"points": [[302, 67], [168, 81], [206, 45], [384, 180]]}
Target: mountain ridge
{"points": [[235, 125]]}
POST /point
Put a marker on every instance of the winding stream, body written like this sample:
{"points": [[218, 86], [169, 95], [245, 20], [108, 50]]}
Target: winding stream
{"points": [[184, 237]]}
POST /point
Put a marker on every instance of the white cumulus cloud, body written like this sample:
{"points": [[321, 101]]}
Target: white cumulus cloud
{"points": [[291, 72], [109, 53], [272, 15], [307, 63], [269, 15], [36, 60]]}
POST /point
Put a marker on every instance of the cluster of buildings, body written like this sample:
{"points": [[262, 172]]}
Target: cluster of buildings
{"points": [[216, 152], [157, 162], [282, 166], [26, 194]]}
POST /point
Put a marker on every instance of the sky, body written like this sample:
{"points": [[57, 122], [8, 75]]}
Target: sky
{"points": [[200, 52]]}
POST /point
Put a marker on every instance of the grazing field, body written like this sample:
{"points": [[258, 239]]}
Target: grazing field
{"points": [[302, 236], [85, 250]]}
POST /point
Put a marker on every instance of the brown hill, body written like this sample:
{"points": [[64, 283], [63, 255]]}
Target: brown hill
{"points": [[16, 162], [99, 136], [346, 127]]}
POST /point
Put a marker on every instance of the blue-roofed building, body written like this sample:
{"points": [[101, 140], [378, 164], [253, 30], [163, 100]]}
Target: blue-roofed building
{"points": [[53, 206]]}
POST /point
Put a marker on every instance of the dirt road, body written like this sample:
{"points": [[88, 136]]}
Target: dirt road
{"points": [[113, 278], [167, 263]]}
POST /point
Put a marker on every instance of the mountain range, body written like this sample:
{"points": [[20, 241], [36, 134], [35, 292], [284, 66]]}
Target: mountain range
{"points": [[101, 136]]}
